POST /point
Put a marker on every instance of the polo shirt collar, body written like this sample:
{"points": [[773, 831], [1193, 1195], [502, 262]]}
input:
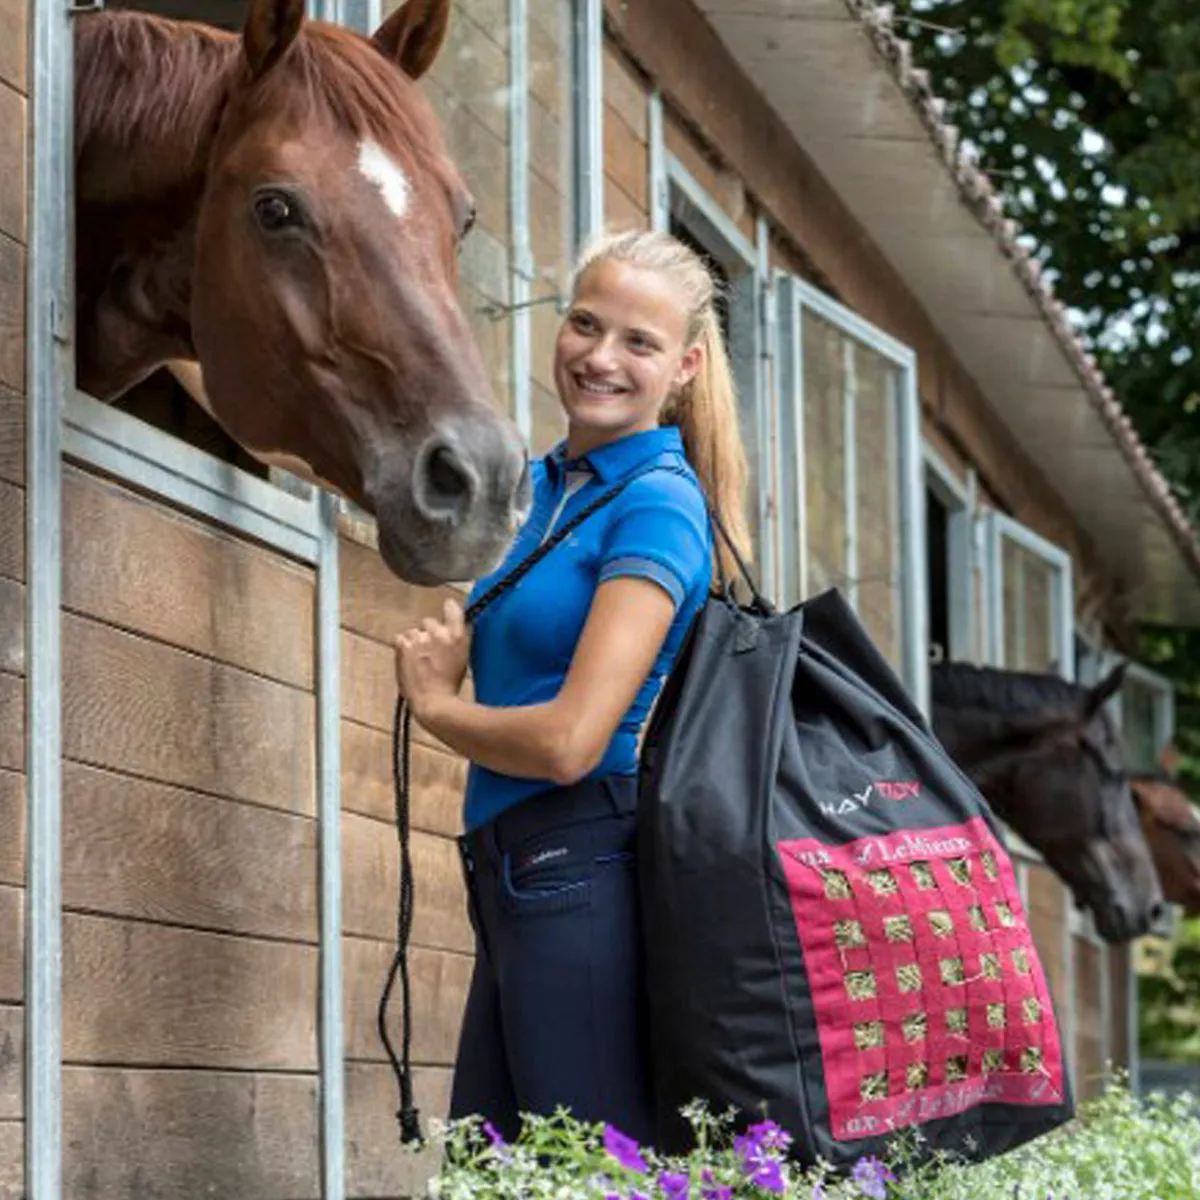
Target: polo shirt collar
{"points": [[618, 459]]}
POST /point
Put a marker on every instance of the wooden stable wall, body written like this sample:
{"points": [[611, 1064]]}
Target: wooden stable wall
{"points": [[13, 92]]}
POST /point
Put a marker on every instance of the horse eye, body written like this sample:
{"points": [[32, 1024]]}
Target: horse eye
{"points": [[468, 221], [276, 212]]}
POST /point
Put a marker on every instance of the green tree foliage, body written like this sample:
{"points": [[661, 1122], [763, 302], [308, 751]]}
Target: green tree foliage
{"points": [[1085, 114]]}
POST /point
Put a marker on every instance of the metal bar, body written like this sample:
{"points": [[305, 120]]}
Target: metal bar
{"points": [[588, 74], [685, 186], [914, 598], [858, 327], [50, 369], [660, 192], [973, 651], [521, 268], [333, 1060], [850, 471], [952, 493], [798, 398], [765, 388], [164, 466]]}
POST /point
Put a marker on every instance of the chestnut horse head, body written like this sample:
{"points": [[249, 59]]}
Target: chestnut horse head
{"points": [[1172, 827], [1049, 761], [281, 209]]}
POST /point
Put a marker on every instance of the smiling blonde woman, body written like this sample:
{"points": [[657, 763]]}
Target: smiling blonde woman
{"points": [[566, 666]]}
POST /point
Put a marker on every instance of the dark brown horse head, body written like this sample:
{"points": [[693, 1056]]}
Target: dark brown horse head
{"points": [[324, 307], [290, 219], [1048, 759], [1172, 828]]}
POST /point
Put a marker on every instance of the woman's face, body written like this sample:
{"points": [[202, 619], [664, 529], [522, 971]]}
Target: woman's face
{"points": [[620, 352]]}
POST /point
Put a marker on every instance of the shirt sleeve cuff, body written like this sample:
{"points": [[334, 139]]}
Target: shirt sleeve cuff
{"points": [[645, 568]]}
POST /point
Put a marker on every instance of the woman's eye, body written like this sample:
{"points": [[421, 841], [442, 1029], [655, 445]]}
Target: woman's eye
{"points": [[582, 323], [275, 212]]}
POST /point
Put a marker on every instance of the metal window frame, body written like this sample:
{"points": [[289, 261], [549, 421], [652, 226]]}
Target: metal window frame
{"points": [[996, 526], [1163, 691], [587, 82], [797, 296], [675, 192], [521, 265], [62, 425], [789, 386], [959, 500]]}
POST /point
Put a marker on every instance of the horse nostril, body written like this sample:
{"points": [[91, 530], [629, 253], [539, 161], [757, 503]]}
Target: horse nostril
{"points": [[1158, 911], [444, 485]]}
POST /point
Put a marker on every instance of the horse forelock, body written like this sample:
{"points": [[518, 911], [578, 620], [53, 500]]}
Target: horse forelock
{"points": [[334, 79]]}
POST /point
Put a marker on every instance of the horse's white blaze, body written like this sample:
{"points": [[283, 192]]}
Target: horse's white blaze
{"points": [[386, 175]]}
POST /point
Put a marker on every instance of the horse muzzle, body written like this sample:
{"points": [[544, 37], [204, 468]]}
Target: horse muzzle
{"points": [[452, 515]]}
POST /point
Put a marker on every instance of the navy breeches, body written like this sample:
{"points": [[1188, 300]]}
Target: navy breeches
{"points": [[556, 1013]]}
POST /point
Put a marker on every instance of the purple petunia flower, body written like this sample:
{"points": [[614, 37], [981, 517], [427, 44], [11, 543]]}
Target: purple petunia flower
{"points": [[712, 1190], [674, 1186], [494, 1135], [624, 1149], [872, 1178], [769, 1136], [768, 1175], [818, 1192]]}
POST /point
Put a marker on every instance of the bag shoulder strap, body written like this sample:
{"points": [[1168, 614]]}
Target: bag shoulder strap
{"points": [[557, 538]]}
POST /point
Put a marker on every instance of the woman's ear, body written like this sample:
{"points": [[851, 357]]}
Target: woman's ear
{"points": [[688, 366]]}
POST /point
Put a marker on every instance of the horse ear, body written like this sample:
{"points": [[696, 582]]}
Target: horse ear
{"points": [[271, 27], [1106, 688], [412, 36]]}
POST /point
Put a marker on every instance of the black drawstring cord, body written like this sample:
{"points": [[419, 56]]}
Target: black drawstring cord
{"points": [[407, 1115]]}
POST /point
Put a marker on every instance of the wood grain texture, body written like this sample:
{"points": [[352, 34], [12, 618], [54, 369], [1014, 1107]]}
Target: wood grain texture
{"points": [[182, 1135], [12, 160], [371, 876], [12, 519], [12, 722], [12, 313], [12, 626], [12, 944], [12, 450], [14, 36], [12, 828], [375, 604], [132, 562], [626, 159], [151, 710], [12, 1160], [376, 1164], [1047, 915], [440, 981], [438, 781], [12, 1061], [156, 853], [148, 995]]}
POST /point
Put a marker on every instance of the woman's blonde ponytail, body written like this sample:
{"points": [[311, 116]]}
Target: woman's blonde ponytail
{"points": [[705, 409]]}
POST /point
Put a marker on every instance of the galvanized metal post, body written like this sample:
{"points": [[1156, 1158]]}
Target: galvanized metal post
{"points": [[660, 188], [49, 376], [521, 270], [588, 81]]}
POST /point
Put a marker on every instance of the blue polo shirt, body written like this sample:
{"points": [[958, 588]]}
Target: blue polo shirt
{"points": [[522, 643]]}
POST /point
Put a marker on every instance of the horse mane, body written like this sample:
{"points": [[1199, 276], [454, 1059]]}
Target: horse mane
{"points": [[146, 81], [1001, 693], [153, 90]]}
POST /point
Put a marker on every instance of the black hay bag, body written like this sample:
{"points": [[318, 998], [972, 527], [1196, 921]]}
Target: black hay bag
{"points": [[834, 934]]}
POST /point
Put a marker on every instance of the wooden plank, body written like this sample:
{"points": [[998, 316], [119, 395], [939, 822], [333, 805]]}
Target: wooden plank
{"points": [[12, 944], [164, 714], [620, 213], [149, 995], [12, 313], [14, 27], [722, 185], [12, 828], [12, 722], [626, 159], [12, 447], [142, 850], [549, 422], [12, 1061], [549, 149], [624, 91], [180, 1135], [473, 69], [376, 604], [548, 66], [376, 1163], [12, 626], [12, 525], [439, 986], [12, 162], [12, 1160], [371, 879], [438, 781], [549, 224], [132, 562]]}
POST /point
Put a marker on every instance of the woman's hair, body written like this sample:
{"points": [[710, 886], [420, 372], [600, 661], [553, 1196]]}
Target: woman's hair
{"points": [[705, 408]]}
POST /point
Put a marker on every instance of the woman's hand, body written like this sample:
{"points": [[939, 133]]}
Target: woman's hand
{"points": [[431, 659]]}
